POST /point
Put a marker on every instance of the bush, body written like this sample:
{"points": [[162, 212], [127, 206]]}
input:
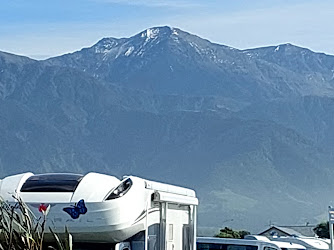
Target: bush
{"points": [[229, 233], [322, 230]]}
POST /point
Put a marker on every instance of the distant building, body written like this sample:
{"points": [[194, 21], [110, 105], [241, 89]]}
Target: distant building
{"points": [[289, 231]]}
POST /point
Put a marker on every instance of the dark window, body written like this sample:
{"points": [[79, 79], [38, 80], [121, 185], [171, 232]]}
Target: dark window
{"points": [[121, 190], [271, 248], [52, 183], [223, 246]]}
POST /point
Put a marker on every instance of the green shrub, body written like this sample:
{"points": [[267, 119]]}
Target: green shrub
{"points": [[230, 233]]}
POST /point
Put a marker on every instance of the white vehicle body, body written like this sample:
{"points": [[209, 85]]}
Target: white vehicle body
{"points": [[98, 208], [310, 243], [281, 244], [208, 243]]}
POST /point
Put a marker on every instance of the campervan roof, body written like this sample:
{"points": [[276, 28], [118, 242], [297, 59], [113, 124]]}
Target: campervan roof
{"points": [[239, 242], [308, 242], [256, 237], [287, 245], [280, 244], [316, 243]]}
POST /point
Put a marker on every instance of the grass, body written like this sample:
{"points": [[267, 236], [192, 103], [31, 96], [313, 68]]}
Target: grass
{"points": [[21, 229]]}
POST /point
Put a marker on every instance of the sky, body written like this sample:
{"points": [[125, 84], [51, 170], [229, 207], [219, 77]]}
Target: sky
{"points": [[41, 29]]}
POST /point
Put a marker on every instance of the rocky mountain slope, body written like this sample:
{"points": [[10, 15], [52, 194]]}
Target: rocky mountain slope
{"points": [[168, 60], [251, 131]]}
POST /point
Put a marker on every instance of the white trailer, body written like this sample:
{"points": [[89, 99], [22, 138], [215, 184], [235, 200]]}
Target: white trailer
{"points": [[132, 213]]}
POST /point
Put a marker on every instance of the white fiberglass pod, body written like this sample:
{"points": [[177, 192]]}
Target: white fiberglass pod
{"points": [[94, 207]]}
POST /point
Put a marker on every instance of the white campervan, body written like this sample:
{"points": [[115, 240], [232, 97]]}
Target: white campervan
{"points": [[213, 243], [132, 213], [310, 243], [281, 244]]}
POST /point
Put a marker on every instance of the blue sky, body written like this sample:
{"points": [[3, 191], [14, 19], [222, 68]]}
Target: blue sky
{"points": [[40, 29]]}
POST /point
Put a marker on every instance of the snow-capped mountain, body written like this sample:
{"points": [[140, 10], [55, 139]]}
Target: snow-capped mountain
{"points": [[249, 130], [167, 60]]}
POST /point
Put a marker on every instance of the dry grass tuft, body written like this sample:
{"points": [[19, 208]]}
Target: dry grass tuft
{"points": [[20, 229]]}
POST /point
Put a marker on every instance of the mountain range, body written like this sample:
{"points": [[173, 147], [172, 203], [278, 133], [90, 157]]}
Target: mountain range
{"points": [[250, 130]]}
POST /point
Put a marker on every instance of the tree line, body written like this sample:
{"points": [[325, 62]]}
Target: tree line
{"points": [[322, 230]]}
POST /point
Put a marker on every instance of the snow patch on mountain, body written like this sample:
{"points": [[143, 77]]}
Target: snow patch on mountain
{"points": [[105, 45], [150, 34], [195, 46], [129, 51]]}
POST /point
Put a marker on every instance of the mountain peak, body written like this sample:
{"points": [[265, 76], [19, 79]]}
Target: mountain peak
{"points": [[289, 46], [151, 34], [281, 49], [105, 44], [158, 32]]}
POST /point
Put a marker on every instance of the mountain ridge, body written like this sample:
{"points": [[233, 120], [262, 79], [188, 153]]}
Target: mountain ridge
{"points": [[164, 56], [249, 130]]}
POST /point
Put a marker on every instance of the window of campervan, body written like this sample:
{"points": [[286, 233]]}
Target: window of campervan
{"points": [[51, 183], [212, 243]]}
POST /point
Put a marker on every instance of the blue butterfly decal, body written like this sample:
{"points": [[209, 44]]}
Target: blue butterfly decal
{"points": [[76, 210]]}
